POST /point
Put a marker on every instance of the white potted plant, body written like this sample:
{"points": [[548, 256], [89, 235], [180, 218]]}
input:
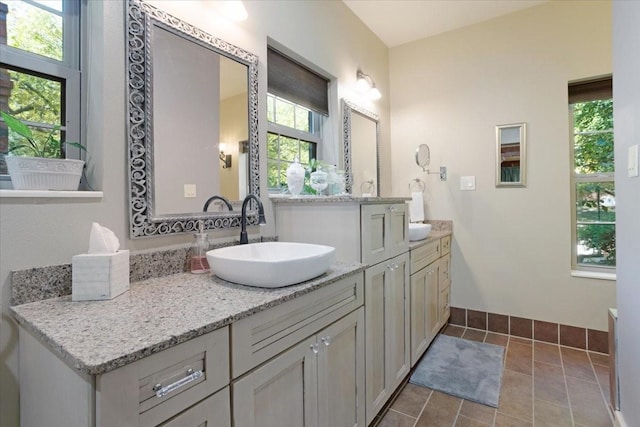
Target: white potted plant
{"points": [[41, 171]]}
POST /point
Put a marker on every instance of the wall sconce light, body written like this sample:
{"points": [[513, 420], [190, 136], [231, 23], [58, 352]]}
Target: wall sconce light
{"points": [[224, 158], [233, 10], [366, 85]]}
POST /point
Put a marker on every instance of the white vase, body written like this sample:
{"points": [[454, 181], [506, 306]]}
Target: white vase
{"points": [[295, 178], [38, 173]]}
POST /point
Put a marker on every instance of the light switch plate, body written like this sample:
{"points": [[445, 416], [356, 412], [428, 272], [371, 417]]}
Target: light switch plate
{"points": [[467, 183], [190, 191], [633, 161]]}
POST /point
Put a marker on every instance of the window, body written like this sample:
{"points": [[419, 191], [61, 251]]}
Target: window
{"points": [[593, 185], [297, 104], [40, 71]]}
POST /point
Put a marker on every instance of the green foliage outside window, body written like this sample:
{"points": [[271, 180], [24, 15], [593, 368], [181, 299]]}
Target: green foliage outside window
{"points": [[595, 189], [35, 99], [283, 148]]}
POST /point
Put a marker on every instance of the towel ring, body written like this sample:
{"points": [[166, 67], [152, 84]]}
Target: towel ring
{"points": [[420, 184]]}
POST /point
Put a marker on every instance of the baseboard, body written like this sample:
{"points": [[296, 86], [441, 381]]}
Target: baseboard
{"points": [[619, 419]]}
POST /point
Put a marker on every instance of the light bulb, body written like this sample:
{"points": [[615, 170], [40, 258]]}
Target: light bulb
{"points": [[233, 10], [362, 84], [374, 93]]}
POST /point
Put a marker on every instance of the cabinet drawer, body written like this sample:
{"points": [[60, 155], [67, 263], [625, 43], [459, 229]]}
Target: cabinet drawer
{"points": [[424, 255], [258, 338], [445, 266], [173, 380], [445, 245], [214, 411], [184, 374]]}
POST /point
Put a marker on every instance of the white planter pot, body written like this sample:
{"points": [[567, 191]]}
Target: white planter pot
{"points": [[37, 173]]}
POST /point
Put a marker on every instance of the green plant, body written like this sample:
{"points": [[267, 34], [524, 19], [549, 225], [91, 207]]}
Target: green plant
{"points": [[48, 146]]}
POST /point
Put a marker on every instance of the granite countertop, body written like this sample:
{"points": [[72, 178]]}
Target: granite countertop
{"points": [[433, 235], [96, 337], [286, 198]]}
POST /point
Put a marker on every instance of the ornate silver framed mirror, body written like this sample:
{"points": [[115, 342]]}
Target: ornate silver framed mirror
{"points": [[192, 104]]}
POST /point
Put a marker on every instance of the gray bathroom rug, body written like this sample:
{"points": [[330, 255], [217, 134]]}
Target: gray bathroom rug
{"points": [[463, 368]]}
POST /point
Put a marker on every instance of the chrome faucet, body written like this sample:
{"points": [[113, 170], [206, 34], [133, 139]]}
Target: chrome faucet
{"points": [[243, 219], [212, 198]]}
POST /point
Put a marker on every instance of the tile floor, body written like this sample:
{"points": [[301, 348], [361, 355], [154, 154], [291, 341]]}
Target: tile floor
{"points": [[543, 385]]}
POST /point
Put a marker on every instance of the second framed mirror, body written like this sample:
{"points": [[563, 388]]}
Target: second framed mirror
{"points": [[511, 155]]}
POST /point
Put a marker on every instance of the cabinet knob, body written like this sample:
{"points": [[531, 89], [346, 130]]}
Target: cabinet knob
{"points": [[392, 208], [314, 348], [326, 340]]}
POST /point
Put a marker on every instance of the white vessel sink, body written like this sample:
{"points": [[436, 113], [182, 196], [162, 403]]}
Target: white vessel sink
{"points": [[270, 264], [418, 231]]}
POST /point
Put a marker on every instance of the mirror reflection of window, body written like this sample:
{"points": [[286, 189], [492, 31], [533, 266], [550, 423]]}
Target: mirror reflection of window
{"points": [[510, 154]]}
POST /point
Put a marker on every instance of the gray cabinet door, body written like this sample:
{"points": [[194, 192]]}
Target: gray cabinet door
{"points": [[280, 393], [341, 372], [387, 330], [383, 231], [424, 310]]}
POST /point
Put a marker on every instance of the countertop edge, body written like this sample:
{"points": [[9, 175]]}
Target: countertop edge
{"points": [[433, 236], [76, 362]]}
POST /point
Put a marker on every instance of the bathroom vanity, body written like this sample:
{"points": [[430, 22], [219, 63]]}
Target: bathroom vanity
{"points": [[187, 349], [430, 290], [373, 231]]}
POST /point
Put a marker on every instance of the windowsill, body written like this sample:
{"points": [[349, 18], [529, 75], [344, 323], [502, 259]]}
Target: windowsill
{"points": [[593, 275], [46, 194]]}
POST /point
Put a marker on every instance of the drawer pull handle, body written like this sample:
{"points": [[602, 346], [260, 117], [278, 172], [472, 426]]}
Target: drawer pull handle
{"points": [[326, 340], [191, 376]]}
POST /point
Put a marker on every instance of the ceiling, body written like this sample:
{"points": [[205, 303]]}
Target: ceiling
{"points": [[398, 22]]}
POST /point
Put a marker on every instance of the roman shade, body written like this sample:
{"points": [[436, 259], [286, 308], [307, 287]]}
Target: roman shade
{"points": [[591, 90], [296, 83]]}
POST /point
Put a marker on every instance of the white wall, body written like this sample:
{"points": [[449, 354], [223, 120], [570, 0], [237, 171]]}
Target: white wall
{"points": [[37, 232], [626, 95], [512, 246]]}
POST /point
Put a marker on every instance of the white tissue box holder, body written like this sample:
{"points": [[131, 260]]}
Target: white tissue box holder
{"points": [[99, 276]]}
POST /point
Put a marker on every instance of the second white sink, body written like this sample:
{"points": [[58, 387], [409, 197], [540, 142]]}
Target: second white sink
{"points": [[270, 264], [418, 231]]}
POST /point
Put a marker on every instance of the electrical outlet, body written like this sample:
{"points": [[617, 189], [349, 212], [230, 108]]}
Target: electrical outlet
{"points": [[190, 191], [467, 183]]}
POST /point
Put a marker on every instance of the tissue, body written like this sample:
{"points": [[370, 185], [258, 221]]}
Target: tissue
{"points": [[102, 240], [103, 273]]}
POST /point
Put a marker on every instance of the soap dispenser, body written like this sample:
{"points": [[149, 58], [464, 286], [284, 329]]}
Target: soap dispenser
{"points": [[198, 263]]}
